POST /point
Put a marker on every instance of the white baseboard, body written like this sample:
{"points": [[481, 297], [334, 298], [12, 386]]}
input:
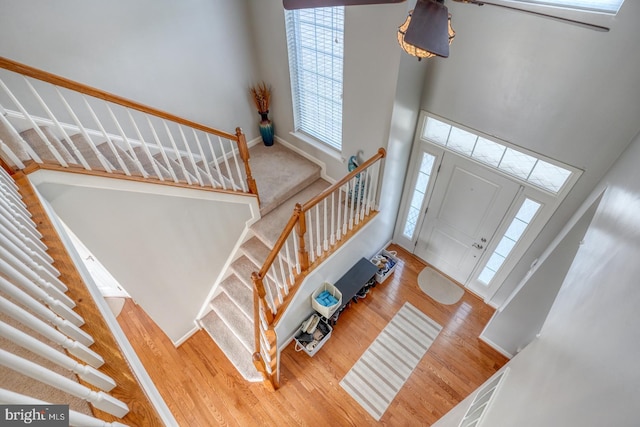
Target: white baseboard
{"points": [[323, 165], [496, 347], [186, 336]]}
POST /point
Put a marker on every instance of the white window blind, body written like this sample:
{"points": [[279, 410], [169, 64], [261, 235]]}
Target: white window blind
{"points": [[603, 6], [315, 39]]}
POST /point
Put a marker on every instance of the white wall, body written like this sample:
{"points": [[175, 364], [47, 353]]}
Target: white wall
{"points": [[372, 58], [559, 90], [583, 369], [166, 247], [192, 58]]}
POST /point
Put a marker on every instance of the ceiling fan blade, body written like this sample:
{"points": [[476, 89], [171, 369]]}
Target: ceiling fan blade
{"points": [[304, 4], [544, 15], [428, 29]]}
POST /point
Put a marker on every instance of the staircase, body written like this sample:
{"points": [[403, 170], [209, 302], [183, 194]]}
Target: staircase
{"points": [[284, 178], [303, 221]]}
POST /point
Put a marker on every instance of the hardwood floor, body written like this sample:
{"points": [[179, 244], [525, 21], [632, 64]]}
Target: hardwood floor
{"points": [[202, 388]]}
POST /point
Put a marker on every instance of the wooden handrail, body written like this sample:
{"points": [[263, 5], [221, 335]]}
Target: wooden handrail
{"points": [[320, 197], [288, 228], [26, 70]]}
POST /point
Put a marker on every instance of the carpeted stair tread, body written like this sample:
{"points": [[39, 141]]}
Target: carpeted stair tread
{"points": [[270, 226], [277, 184], [87, 152], [110, 155], [177, 169], [231, 346], [255, 250], [241, 295], [197, 171], [147, 164], [34, 140], [258, 252], [235, 319], [243, 267]]}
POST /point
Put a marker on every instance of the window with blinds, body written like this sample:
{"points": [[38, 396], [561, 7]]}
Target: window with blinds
{"points": [[315, 39]]}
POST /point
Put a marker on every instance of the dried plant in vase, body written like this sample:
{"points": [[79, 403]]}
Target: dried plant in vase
{"points": [[261, 94]]}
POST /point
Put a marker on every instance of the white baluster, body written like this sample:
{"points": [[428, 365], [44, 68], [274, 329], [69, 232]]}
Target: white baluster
{"points": [[310, 230], [235, 160], [290, 266], [74, 347], [27, 232], [34, 125], [346, 209], [326, 227], [333, 219], [86, 373], [283, 275], [204, 159], [13, 202], [226, 163], [296, 253], [39, 273], [15, 160], [4, 176], [177, 153], [76, 419], [162, 151], [145, 148], [58, 306], [63, 325], [34, 244], [83, 131], [358, 195], [270, 298], [374, 199], [352, 206], [215, 159], [25, 220], [99, 399], [318, 239], [16, 136], [54, 119], [17, 247], [108, 140], [339, 211], [196, 170]]}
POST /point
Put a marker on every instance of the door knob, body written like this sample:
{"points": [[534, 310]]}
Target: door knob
{"points": [[477, 246]]}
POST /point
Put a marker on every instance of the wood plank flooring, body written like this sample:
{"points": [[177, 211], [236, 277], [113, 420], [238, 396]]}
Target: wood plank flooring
{"points": [[202, 388]]}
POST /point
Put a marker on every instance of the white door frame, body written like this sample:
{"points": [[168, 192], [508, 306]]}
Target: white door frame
{"points": [[550, 203]]}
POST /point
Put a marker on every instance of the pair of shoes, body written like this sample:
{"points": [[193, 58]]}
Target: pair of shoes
{"points": [[310, 325], [311, 345]]}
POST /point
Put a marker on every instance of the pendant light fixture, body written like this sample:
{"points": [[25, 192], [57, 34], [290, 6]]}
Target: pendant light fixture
{"points": [[427, 32]]}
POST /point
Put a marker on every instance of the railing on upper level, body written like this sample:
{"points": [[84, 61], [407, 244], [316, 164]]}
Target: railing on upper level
{"points": [[39, 322], [55, 122], [314, 231]]}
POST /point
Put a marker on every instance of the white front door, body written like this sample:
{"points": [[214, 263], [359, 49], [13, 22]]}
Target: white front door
{"points": [[468, 204]]}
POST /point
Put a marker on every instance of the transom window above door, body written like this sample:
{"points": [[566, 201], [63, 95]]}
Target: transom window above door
{"points": [[513, 161]]}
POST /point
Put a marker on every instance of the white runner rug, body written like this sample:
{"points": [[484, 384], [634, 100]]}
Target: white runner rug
{"points": [[386, 365]]}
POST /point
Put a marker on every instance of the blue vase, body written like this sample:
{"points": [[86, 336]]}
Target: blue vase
{"points": [[266, 129]]}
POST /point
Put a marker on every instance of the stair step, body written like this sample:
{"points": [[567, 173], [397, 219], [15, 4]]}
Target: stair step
{"points": [[243, 267], [177, 169], [200, 172], [235, 319], [83, 146], [270, 226], [241, 295], [39, 146], [147, 164], [231, 346], [110, 155], [258, 252], [277, 184]]}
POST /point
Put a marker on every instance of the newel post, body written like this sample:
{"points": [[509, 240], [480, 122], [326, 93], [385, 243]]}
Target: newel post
{"points": [[301, 230], [244, 155]]}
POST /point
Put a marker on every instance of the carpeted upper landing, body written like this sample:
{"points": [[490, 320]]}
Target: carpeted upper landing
{"points": [[280, 173]]}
